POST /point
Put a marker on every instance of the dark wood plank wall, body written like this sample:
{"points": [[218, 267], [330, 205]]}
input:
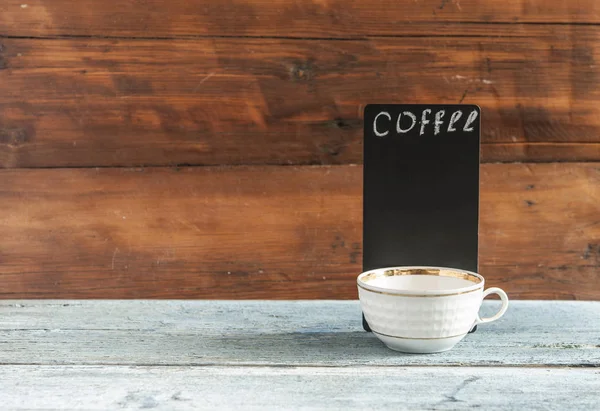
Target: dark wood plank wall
{"points": [[278, 18], [212, 149], [279, 101], [271, 231]]}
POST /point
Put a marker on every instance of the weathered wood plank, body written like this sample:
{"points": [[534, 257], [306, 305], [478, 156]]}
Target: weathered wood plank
{"points": [[539, 231], [271, 232], [279, 333], [539, 152], [193, 232], [101, 102], [323, 388], [307, 18]]}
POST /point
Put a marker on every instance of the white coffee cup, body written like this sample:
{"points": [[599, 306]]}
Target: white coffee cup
{"points": [[423, 309]]}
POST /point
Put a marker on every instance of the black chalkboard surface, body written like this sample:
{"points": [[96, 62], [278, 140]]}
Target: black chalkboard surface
{"points": [[421, 185]]}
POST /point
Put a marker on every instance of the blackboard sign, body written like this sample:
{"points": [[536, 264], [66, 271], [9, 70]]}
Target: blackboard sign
{"points": [[421, 185]]}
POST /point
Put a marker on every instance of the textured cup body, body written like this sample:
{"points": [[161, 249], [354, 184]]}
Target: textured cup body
{"points": [[420, 316]]}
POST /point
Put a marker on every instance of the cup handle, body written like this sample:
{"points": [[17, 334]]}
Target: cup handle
{"points": [[503, 297]]}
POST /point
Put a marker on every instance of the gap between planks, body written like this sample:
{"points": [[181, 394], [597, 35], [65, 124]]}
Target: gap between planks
{"points": [[192, 37], [302, 366], [257, 165]]}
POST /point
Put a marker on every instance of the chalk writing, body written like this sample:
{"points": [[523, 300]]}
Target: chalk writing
{"points": [[414, 121], [453, 119], [470, 121], [407, 120], [438, 121], [377, 133], [424, 120]]}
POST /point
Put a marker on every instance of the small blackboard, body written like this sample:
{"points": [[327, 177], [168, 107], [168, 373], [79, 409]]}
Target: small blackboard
{"points": [[421, 185]]}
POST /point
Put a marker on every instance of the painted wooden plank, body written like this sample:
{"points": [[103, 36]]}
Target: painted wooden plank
{"points": [[259, 388], [304, 18], [106, 102], [271, 232], [278, 333]]}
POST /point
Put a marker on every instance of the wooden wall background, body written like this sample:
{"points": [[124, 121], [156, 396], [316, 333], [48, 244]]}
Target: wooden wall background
{"points": [[212, 149]]}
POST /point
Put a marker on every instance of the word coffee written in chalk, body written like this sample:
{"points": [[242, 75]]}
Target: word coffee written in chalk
{"points": [[425, 122]]}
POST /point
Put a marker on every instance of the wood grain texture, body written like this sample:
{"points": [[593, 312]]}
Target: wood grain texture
{"points": [[271, 231], [202, 232], [280, 334], [306, 18], [119, 102], [65, 354], [318, 388]]}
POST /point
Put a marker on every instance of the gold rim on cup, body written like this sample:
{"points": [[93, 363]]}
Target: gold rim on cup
{"points": [[364, 278]]}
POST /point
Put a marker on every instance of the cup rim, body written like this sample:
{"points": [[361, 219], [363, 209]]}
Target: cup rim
{"points": [[477, 279]]}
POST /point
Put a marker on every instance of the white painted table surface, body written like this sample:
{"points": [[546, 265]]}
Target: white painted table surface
{"points": [[185, 355]]}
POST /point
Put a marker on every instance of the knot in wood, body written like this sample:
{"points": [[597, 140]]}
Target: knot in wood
{"points": [[3, 63], [14, 136], [302, 71]]}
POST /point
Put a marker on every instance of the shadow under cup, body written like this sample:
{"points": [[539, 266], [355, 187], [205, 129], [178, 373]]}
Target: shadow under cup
{"points": [[423, 309]]}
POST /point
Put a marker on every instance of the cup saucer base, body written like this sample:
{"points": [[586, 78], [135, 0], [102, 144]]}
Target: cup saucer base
{"points": [[420, 346]]}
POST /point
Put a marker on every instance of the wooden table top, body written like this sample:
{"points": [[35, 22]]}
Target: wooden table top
{"points": [[287, 354]]}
